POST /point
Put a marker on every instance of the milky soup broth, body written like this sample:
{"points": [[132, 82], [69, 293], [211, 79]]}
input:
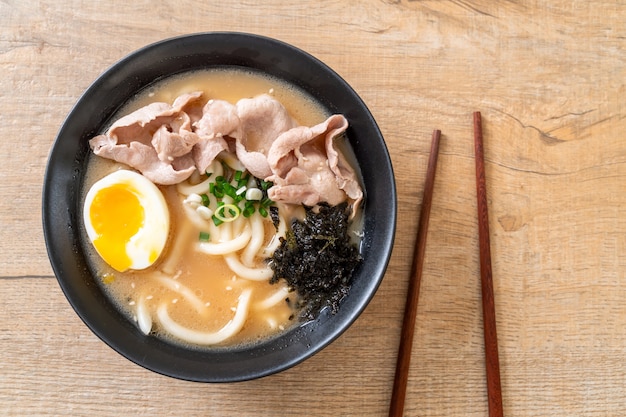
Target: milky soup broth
{"points": [[213, 286]]}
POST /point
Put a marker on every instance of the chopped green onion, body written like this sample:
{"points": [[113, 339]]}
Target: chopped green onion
{"points": [[237, 192], [204, 212], [193, 199], [265, 185], [232, 210], [204, 236], [243, 181], [254, 194], [248, 209], [229, 190]]}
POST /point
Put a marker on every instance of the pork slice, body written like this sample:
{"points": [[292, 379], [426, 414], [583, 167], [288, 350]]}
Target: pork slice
{"points": [[174, 139], [144, 158], [206, 150], [304, 173], [141, 124], [191, 104], [219, 119], [309, 182], [262, 119], [170, 145], [285, 152], [345, 175], [156, 140]]}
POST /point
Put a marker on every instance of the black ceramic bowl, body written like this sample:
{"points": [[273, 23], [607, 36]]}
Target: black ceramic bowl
{"points": [[66, 168]]}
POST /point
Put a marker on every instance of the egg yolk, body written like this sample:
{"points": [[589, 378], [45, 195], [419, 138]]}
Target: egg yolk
{"points": [[116, 215]]}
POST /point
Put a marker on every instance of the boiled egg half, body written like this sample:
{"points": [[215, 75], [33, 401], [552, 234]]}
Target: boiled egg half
{"points": [[127, 220]]}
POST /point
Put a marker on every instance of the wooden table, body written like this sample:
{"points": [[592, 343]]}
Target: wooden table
{"points": [[549, 82]]}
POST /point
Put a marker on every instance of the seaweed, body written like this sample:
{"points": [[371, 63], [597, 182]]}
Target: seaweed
{"points": [[317, 259]]}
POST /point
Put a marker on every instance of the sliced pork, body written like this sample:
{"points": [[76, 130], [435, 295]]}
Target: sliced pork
{"points": [[219, 119], [308, 169], [144, 158], [168, 142], [155, 139], [174, 139], [263, 119]]}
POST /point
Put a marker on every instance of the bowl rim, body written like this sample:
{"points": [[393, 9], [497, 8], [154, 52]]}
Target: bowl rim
{"points": [[61, 192]]}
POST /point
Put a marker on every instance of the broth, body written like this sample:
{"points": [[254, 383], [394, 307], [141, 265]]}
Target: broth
{"points": [[200, 291]]}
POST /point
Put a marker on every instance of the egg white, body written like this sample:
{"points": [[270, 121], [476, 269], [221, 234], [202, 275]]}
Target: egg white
{"points": [[152, 235]]}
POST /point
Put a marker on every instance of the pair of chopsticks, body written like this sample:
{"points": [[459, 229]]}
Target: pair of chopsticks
{"points": [[492, 363]]}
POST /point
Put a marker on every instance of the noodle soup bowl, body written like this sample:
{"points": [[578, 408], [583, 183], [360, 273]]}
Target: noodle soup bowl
{"points": [[62, 205]]}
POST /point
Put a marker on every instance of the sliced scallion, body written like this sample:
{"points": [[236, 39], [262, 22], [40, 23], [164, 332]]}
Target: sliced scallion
{"points": [[265, 185], [248, 209], [266, 202], [227, 212], [254, 194]]}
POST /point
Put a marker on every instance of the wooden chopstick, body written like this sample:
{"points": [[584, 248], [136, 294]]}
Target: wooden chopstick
{"points": [[492, 362], [398, 395]]}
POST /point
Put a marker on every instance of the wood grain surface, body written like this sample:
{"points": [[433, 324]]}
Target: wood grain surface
{"points": [[548, 79]]}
